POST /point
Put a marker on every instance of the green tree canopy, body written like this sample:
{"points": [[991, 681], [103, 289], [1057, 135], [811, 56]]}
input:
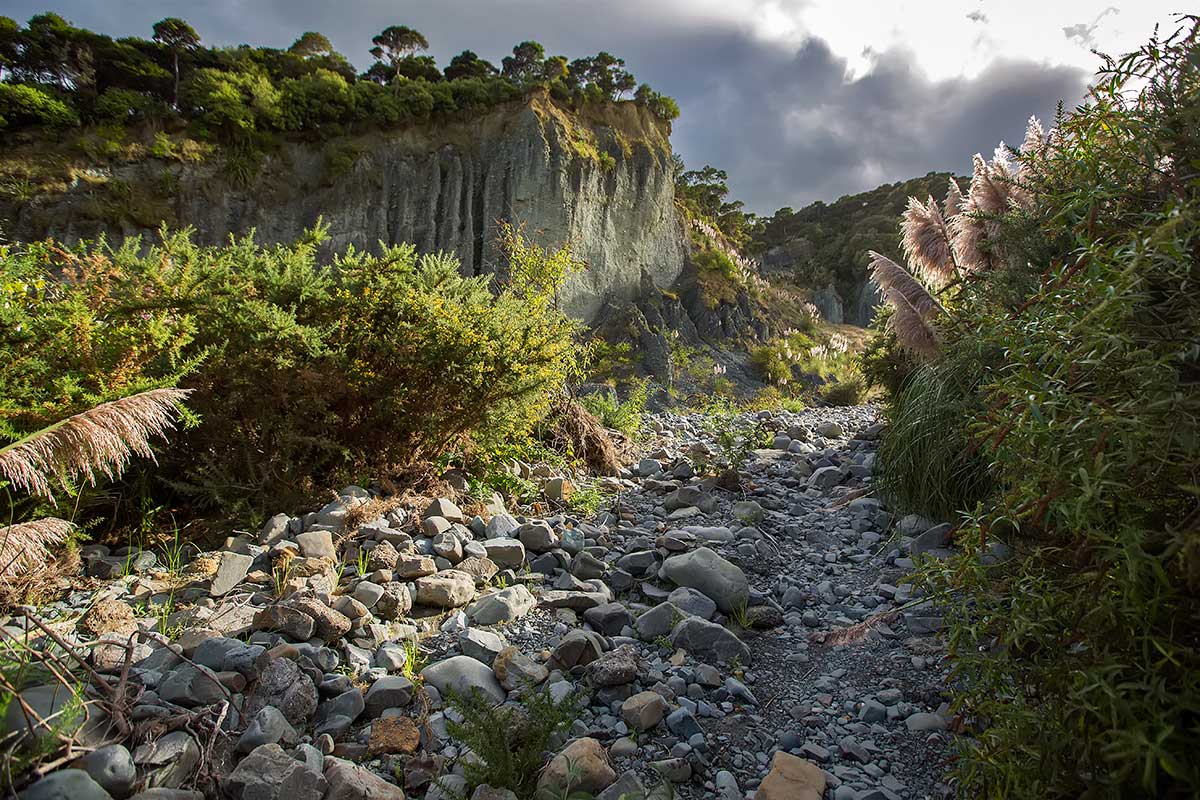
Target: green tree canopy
{"points": [[312, 44], [525, 66], [396, 43], [468, 65]]}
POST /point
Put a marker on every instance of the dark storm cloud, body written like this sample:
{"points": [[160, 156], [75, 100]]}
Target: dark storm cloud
{"points": [[791, 128], [787, 123]]}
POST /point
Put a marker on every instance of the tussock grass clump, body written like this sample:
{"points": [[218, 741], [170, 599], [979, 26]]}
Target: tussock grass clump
{"points": [[844, 393], [576, 432], [928, 463], [620, 415]]}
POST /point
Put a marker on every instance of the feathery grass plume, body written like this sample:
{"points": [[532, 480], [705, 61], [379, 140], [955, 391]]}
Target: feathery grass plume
{"points": [[26, 545], [969, 238], [912, 304], [990, 185], [926, 241], [1035, 136], [988, 196], [954, 199], [102, 439], [1032, 148]]}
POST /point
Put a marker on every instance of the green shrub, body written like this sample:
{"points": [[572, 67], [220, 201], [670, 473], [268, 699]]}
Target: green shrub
{"points": [[883, 363], [625, 416], [319, 99], [510, 740], [306, 371], [772, 364], [770, 398], [162, 146], [340, 157], [126, 105], [843, 393], [29, 105], [103, 142], [232, 104], [716, 261], [1068, 388]]}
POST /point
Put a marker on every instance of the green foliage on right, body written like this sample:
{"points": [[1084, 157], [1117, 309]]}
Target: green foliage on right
{"points": [[306, 370], [1063, 419]]}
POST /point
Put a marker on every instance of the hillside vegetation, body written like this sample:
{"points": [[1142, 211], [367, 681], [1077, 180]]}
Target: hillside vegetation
{"points": [[172, 97], [826, 244], [1046, 394]]}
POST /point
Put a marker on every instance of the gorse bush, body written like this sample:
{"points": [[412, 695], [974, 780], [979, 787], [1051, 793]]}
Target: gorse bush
{"points": [[1056, 400], [304, 370]]}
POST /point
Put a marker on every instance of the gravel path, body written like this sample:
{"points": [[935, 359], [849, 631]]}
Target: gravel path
{"points": [[871, 711]]}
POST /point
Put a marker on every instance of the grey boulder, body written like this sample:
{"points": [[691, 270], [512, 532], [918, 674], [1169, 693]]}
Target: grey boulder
{"points": [[718, 579]]}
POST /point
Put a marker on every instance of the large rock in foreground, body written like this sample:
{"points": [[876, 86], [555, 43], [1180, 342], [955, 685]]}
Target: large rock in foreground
{"points": [[269, 773], [710, 574], [791, 778], [349, 781]]}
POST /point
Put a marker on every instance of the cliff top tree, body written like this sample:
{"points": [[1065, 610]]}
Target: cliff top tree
{"points": [[396, 43], [51, 50], [178, 37], [525, 66], [311, 44], [10, 33], [554, 69], [608, 72], [56, 75], [468, 65]]}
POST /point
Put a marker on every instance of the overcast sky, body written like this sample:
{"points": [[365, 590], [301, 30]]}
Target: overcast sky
{"points": [[799, 100]]}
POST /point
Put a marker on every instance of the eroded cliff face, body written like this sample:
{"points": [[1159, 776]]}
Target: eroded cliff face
{"points": [[602, 182]]}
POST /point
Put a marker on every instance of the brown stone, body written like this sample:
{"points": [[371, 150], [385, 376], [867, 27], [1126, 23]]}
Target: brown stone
{"points": [[644, 710], [412, 566], [515, 670], [328, 624], [791, 778], [108, 616], [393, 735], [481, 569], [581, 766], [382, 556]]}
